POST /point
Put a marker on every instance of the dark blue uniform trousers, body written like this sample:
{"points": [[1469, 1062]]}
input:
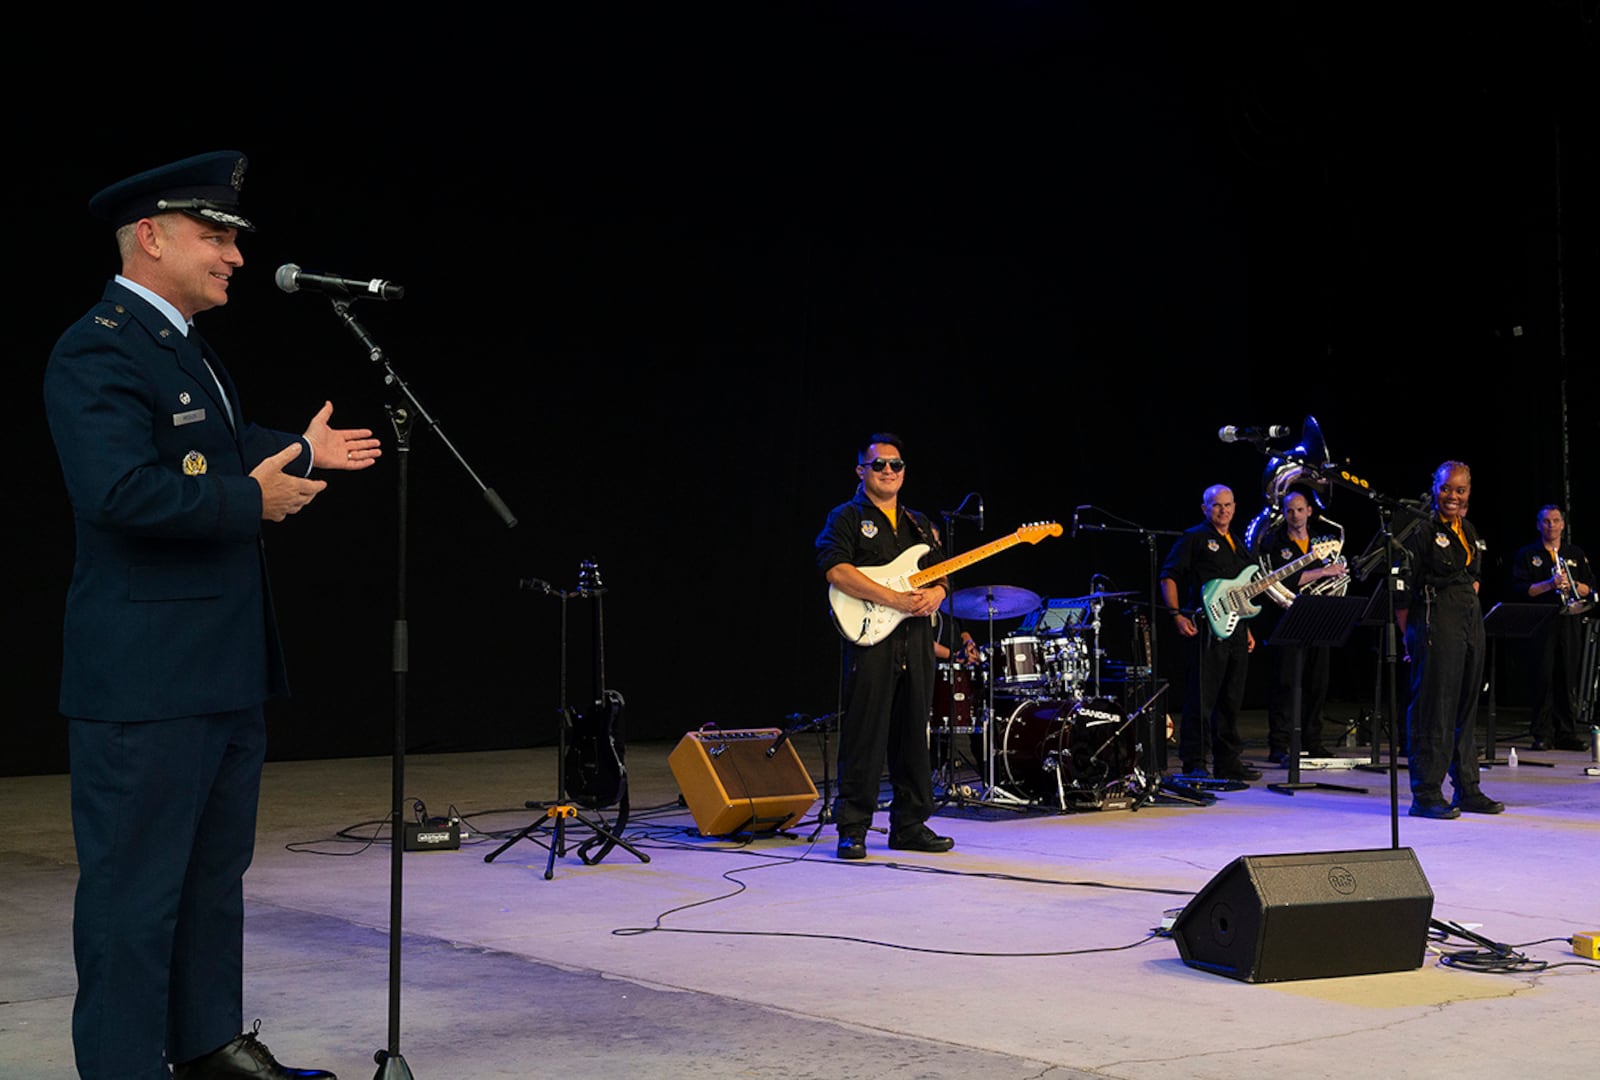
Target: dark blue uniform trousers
{"points": [[164, 817]]}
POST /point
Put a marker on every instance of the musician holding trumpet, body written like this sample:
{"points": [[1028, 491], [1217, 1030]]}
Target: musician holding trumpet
{"points": [[1554, 571]]}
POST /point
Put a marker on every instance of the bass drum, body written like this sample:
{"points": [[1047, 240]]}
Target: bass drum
{"points": [[1089, 744]]}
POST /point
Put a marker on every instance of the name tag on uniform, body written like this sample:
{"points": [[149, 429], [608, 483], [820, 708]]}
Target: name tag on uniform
{"points": [[193, 416]]}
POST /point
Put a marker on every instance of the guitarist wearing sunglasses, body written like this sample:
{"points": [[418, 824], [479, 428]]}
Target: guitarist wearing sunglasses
{"points": [[888, 686]]}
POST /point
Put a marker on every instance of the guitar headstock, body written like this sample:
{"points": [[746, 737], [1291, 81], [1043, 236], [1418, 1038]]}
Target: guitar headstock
{"points": [[1326, 549], [1038, 530]]}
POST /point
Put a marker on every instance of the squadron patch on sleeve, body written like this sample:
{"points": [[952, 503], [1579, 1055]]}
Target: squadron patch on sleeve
{"points": [[194, 463], [1442, 539], [869, 528], [1212, 545], [1285, 555], [1538, 561]]}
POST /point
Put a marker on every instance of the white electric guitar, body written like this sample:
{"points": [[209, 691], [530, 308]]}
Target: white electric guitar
{"points": [[866, 623], [1227, 600]]}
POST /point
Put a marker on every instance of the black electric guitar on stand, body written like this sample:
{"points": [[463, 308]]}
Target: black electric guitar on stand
{"points": [[596, 774]]}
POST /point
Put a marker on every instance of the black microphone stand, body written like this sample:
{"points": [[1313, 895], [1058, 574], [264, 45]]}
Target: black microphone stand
{"points": [[391, 1065]]}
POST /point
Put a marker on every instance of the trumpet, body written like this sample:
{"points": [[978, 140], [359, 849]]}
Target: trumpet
{"points": [[1571, 602]]}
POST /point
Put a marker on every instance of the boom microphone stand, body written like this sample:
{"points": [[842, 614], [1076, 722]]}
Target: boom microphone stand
{"points": [[391, 1065]]}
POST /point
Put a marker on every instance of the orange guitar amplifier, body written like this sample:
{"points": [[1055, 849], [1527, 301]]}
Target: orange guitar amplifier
{"points": [[733, 785]]}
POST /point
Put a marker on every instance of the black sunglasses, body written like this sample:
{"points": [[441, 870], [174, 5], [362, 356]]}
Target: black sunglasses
{"points": [[878, 464]]}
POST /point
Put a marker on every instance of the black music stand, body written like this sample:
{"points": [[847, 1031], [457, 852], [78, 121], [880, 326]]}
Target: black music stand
{"points": [[1517, 622], [1312, 622]]}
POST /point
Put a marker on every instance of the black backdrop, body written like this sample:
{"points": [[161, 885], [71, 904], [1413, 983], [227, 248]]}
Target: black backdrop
{"points": [[667, 269]]}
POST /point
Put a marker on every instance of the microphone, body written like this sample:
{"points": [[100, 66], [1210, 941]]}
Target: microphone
{"points": [[1252, 434], [291, 278], [783, 736]]}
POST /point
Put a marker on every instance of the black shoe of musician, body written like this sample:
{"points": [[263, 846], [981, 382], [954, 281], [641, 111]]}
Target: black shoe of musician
{"points": [[1433, 808], [1194, 772], [1477, 802], [1570, 742], [1278, 757], [1238, 770], [851, 846], [1538, 745], [920, 838], [245, 1058]]}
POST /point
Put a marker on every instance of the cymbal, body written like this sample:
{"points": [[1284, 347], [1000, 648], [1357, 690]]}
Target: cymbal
{"points": [[975, 603]]}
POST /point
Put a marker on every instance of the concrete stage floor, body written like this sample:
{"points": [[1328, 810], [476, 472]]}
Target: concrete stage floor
{"points": [[1024, 953]]}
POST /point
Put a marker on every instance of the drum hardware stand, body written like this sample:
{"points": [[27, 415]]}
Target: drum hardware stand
{"points": [[1311, 622], [559, 813], [1516, 622], [1153, 739]]}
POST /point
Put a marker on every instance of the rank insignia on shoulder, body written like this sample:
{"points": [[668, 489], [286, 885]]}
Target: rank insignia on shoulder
{"points": [[194, 463], [110, 324], [869, 528]]}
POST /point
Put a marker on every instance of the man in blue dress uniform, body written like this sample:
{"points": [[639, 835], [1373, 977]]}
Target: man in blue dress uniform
{"points": [[171, 646]]}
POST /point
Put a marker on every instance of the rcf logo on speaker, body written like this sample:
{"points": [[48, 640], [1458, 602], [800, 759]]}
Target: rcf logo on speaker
{"points": [[1342, 880]]}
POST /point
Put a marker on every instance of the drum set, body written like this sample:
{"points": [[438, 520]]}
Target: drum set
{"points": [[1039, 729]]}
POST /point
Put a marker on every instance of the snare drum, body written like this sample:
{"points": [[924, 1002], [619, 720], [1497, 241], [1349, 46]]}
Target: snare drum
{"points": [[955, 700], [1019, 663], [1089, 744]]}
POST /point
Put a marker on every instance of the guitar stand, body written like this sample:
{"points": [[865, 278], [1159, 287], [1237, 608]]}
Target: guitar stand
{"points": [[558, 813]]}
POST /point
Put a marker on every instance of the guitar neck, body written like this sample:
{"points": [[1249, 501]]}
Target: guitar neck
{"points": [[1262, 584], [965, 559]]}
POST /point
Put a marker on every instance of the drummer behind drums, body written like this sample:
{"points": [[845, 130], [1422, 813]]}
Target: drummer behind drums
{"points": [[1217, 666]]}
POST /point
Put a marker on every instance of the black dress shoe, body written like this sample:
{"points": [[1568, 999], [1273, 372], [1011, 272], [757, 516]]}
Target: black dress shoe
{"points": [[1570, 742], [1195, 772], [1478, 803], [920, 838], [1278, 757], [851, 847], [1538, 745], [1238, 770], [245, 1058], [1437, 809]]}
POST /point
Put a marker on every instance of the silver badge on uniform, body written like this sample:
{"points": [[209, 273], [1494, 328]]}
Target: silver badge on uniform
{"points": [[183, 397], [869, 528], [103, 321], [194, 463], [193, 416]]}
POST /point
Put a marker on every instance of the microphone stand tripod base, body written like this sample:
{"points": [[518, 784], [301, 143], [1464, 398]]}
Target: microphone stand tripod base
{"points": [[391, 1066]]}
